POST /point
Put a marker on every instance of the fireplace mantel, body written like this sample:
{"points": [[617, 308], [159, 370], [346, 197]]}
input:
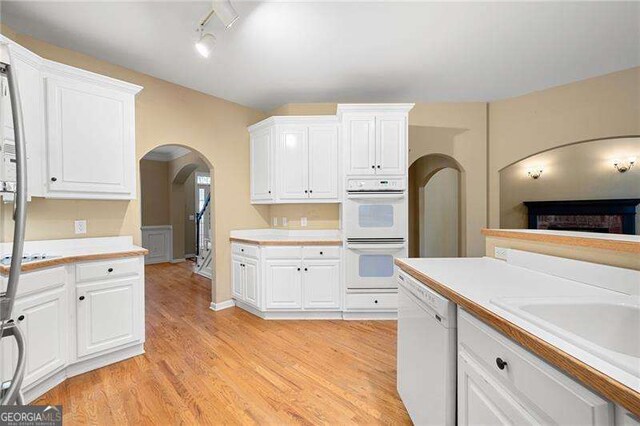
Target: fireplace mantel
{"points": [[624, 208]]}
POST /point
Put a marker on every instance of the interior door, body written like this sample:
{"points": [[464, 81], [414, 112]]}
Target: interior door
{"points": [[294, 163], [43, 321], [261, 169], [284, 284], [107, 315], [251, 282], [90, 132], [361, 145], [391, 149], [323, 162], [237, 277], [321, 286]]}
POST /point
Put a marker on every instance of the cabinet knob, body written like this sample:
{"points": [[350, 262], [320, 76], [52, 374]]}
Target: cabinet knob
{"points": [[269, 192], [110, 270], [311, 191], [306, 192], [373, 167], [305, 269], [53, 179], [321, 253], [501, 363], [298, 269], [81, 297], [378, 165], [21, 317], [242, 250], [375, 301]]}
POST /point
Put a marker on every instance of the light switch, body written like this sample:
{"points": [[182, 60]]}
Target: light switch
{"points": [[500, 253], [81, 226], [303, 221], [192, 217]]}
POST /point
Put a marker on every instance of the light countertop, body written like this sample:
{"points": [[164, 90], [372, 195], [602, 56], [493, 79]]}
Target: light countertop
{"points": [[283, 237], [74, 250], [473, 283]]}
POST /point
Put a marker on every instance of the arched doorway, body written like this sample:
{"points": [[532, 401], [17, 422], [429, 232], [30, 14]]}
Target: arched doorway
{"points": [[176, 212], [435, 208]]}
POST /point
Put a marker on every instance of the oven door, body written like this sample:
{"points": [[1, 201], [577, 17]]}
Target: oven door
{"points": [[371, 265], [379, 215]]}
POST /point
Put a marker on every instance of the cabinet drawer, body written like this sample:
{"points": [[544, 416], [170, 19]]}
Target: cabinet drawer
{"points": [[555, 395], [372, 301], [244, 250], [294, 252], [105, 269], [321, 252], [36, 281]]}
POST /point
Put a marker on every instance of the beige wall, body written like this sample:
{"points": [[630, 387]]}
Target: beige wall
{"points": [[582, 171], [154, 192], [600, 107], [165, 114]]}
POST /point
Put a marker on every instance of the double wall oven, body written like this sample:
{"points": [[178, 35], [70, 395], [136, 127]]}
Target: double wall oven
{"points": [[375, 228]]}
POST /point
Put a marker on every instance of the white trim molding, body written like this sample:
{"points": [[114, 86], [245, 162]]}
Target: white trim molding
{"points": [[226, 304], [159, 241]]}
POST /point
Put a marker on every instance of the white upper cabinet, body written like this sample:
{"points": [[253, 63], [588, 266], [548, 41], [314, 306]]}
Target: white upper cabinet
{"points": [[90, 135], [262, 173], [302, 153], [376, 138]]}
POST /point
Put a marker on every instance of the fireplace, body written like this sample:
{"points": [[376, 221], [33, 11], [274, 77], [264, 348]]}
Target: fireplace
{"points": [[605, 216]]}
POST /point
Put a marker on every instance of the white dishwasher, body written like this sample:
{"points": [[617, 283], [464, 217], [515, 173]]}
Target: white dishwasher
{"points": [[426, 353]]}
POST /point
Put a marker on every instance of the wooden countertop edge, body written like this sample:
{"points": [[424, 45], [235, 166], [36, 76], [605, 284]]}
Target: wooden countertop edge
{"points": [[286, 242], [594, 379], [597, 243], [64, 260]]}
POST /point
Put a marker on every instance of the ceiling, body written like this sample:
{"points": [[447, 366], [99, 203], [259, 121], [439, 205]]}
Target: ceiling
{"points": [[376, 51], [166, 153]]}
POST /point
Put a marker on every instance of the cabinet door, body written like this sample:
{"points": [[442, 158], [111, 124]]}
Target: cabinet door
{"points": [[91, 140], [391, 145], [321, 284], [43, 321], [482, 401], [261, 165], [284, 284], [251, 282], [108, 314], [360, 147], [293, 164], [237, 277], [323, 162]]}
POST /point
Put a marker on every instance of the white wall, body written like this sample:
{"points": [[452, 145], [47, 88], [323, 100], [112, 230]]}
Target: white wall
{"points": [[440, 222]]}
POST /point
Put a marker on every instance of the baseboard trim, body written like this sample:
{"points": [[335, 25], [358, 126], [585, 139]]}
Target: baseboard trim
{"points": [[370, 316], [318, 315], [222, 305], [177, 260]]}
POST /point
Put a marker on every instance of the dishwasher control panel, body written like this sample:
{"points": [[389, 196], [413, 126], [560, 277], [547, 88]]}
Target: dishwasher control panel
{"points": [[439, 304]]}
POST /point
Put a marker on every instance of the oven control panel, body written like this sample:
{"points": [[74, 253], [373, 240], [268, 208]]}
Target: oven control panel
{"points": [[377, 184]]}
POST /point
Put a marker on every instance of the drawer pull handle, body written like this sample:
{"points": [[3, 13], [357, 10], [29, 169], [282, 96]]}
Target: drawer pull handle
{"points": [[21, 317], [110, 270], [53, 179], [81, 297], [375, 301], [501, 363], [242, 250], [321, 253]]}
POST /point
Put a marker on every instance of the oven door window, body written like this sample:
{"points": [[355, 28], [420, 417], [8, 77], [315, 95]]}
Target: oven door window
{"points": [[375, 265], [375, 216]]}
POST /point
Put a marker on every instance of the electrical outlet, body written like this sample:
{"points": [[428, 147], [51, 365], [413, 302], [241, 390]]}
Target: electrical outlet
{"points": [[285, 222], [500, 253], [81, 226], [274, 221], [303, 221]]}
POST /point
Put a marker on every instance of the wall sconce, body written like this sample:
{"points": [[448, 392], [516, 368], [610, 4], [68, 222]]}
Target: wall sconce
{"points": [[624, 165], [535, 172]]}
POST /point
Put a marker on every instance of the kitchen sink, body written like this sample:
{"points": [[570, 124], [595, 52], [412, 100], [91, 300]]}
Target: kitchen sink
{"points": [[608, 327]]}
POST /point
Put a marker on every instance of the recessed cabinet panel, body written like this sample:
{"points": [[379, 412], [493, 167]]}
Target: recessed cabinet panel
{"points": [[321, 284], [251, 282], [237, 278], [361, 145], [323, 162], [43, 321], [107, 314], [261, 166], [90, 139], [293, 164], [284, 284], [391, 145]]}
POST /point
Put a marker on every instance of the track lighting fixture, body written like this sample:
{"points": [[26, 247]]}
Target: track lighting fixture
{"points": [[205, 43], [227, 15], [225, 12]]}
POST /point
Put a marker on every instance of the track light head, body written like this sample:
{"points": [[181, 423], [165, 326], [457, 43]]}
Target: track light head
{"points": [[205, 44], [225, 12]]}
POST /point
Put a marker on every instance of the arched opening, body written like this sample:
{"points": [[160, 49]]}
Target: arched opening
{"points": [[435, 207], [176, 187]]}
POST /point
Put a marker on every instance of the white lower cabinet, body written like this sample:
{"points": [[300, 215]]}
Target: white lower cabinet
{"points": [[43, 320], [290, 279], [107, 315], [499, 382]]}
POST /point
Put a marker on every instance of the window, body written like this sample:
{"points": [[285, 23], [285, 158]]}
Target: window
{"points": [[203, 180]]}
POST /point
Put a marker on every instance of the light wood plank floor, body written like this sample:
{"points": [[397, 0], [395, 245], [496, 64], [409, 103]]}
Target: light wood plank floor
{"points": [[230, 367]]}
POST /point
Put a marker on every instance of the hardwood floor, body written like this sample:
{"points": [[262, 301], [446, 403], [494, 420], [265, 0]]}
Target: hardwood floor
{"points": [[230, 367]]}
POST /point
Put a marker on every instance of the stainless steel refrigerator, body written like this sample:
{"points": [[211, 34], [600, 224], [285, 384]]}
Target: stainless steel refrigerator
{"points": [[14, 182]]}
